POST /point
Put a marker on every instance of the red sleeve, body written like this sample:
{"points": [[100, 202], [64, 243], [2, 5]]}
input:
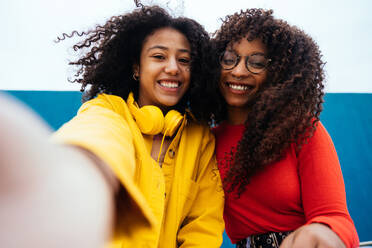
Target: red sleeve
{"points": [[322, 186]]}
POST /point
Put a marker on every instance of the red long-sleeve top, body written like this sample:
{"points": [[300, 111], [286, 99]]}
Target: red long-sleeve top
{"points": [[297, 190]]}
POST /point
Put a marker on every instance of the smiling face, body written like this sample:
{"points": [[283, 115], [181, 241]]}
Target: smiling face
{"points": [[239, 85], [164, 69]]}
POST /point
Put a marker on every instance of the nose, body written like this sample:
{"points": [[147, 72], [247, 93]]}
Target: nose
{"points": [[240, 70], [172, 67]]}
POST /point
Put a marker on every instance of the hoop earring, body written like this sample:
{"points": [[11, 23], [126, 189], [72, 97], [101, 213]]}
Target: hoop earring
{"points": [[135, 77]]}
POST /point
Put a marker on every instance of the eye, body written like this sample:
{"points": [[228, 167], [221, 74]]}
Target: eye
{"points": [[184, 61], [257, 64], [258, 61], [158, 56], [228, 58], [228, 61]]}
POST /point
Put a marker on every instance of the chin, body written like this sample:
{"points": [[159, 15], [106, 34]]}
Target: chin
{"points": [[236, 103], [169, 103]]}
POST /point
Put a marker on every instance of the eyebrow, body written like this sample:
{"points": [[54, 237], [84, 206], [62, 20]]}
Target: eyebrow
{"points": [[255, 52], [166, 48]]}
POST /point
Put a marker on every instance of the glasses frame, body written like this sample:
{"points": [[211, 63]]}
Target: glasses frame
{"points": [[238, 57]]}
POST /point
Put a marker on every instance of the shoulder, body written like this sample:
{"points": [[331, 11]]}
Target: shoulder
{"points": [[104, 102], [320, 137], [319, 144], [198, 128], [104, 115], [198, 132]]}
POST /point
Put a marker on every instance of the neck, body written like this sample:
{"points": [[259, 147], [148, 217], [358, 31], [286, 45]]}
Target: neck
{"points": [[163, 109], [236, 116]]}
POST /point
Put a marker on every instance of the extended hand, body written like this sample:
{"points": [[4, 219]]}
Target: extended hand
{"points": [[311, 236]]}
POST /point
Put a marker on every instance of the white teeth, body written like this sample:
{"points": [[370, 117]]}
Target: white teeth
{"points": [[169, 84], [238, 87]]}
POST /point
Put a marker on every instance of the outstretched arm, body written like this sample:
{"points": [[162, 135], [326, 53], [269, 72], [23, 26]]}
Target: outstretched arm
{"points": [[323, 196], [50, 195]]}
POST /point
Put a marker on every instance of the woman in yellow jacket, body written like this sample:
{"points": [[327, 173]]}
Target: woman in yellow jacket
{"points": [[140, 66], [125, 175]]}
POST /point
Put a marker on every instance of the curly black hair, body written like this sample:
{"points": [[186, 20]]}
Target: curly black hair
{"points": [[113, 49], [287, 106]]}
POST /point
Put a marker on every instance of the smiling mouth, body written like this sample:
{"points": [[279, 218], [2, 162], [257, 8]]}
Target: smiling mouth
{"points": [[239, 87], [169, 84]]}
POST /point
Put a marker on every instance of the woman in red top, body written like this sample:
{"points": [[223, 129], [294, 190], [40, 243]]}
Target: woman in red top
{"points": [[281, 173]]}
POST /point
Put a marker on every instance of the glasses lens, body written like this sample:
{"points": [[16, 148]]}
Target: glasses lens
{"points": [[257, 63], [228, 60]]}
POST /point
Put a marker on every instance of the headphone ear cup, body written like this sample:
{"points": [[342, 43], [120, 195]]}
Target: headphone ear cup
{"points": [[150, 120], [172, 121]]}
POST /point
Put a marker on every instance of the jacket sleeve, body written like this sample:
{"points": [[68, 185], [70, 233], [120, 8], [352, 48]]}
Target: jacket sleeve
{"points": [[100, 130], [204, 225], [323, 189]]}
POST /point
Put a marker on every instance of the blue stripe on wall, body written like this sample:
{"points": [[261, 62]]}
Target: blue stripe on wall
{"points": [[347, 117], [55, 107]]}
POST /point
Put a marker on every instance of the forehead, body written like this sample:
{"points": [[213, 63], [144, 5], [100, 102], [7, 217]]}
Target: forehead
{"points": [[243, 46], [167, 37]]}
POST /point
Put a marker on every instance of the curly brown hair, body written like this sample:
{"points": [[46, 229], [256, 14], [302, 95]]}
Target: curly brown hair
{"points": [[113, 49], [287, 106]]}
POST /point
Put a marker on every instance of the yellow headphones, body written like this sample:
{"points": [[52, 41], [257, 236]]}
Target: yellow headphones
{"points": [[150, 120]]}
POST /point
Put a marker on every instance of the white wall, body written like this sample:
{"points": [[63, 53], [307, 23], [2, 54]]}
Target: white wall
{"points": [[30, 60]]}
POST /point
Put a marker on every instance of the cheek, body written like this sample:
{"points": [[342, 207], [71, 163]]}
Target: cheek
{"points": [[187, 74], [262, 78], [187, 77]]}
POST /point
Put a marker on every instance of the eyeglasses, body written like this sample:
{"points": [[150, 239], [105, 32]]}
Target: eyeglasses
{"points": [[254, 63]]}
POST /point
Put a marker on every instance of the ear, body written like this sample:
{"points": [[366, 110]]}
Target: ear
{"points": [[136, 70]]}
